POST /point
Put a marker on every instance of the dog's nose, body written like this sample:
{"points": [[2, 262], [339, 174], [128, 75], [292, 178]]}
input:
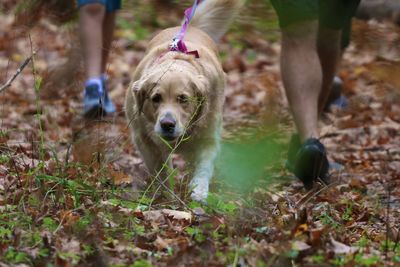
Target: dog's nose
{"points": [[168, 124]]}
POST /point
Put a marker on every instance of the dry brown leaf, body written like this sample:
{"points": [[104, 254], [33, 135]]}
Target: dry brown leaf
{"points": [[155, 217], [315, 235], [3, 201], [68, 246], [300, 246], [160, 243], [387, 71], [69, 218], [301, 229], [158, 217], [119, 178], [178, 215]]}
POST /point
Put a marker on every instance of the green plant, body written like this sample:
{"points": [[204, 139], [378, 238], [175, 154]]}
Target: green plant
{"points": [[13, 256], [347, 215], [196, 234], [69, 257], [3, 133], [49, 223], [326, 219], [87, 250], [318, 259], [363, 242], [5, 233], [217, 203], [339, 260], [83, 223], [362, 260], [292, 254], [141, 263], [4, 159]]}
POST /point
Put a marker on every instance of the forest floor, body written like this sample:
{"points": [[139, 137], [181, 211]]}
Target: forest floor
{"points": [[76, 192]]}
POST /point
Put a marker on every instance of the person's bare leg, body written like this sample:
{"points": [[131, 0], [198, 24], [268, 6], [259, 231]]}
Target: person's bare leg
{"points": [[108, 33], [302, 75], [328, 45], [91, 18]]}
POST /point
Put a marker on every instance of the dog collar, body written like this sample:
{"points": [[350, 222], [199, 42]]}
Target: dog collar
{"points": [[178, 44]]}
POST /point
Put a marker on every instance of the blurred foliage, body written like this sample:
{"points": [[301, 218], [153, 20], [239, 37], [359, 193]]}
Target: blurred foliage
{"points": [[245, 159], [144, 16], [28, 12]]}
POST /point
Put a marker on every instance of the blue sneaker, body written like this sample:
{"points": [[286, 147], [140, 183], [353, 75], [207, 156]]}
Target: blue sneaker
{"points": [[340, 102], [336, 98], [96, 101]]}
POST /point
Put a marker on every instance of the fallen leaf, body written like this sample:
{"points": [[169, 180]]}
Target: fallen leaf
{"points": [[388, 71], [199, 211], [178, 215], [155, 217], [315, 235], [160, 243], [301, 229], [119, 178], [340, 248], [300, 246]]}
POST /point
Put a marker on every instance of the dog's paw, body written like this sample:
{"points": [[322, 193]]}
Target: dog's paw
{"points": [[200, 190]]}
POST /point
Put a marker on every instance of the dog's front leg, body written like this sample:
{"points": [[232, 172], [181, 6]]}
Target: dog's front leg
{"points": [[204, 159], [154, 159]]}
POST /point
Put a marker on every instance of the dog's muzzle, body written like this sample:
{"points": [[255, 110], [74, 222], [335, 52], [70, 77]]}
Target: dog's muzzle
{"points": [[167, 127]]}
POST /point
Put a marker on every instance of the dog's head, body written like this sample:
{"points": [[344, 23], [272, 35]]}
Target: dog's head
{"points": [[170, 101]]}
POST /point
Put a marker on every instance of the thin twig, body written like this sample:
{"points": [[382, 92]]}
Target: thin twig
{"points": [[236, 259], [310, 195], [162, 183], [397, 240], [19, 70], [387, 222], [313, 194]]}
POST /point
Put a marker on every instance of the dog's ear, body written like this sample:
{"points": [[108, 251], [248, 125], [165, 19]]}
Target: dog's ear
{"points": [[201, 86], [139, 94]]}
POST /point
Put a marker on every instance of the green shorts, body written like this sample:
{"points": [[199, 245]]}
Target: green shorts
{"points": [[334, 14], [331, 13]]}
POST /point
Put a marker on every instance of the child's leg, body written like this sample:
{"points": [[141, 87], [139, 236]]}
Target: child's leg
{"points": [[108, 32], [91, 18]]}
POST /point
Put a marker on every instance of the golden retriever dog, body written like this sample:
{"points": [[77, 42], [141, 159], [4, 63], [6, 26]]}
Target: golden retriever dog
{"points": [[174, 103]]}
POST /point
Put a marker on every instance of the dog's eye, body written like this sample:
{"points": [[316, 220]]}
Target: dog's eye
{"points": [[183, 99], [156, 98]]}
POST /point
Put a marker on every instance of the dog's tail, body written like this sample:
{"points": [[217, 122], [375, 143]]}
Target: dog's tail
{"points": [[215, 16]]}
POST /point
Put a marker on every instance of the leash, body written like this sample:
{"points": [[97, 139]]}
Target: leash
{"points": [[178, 45]]}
